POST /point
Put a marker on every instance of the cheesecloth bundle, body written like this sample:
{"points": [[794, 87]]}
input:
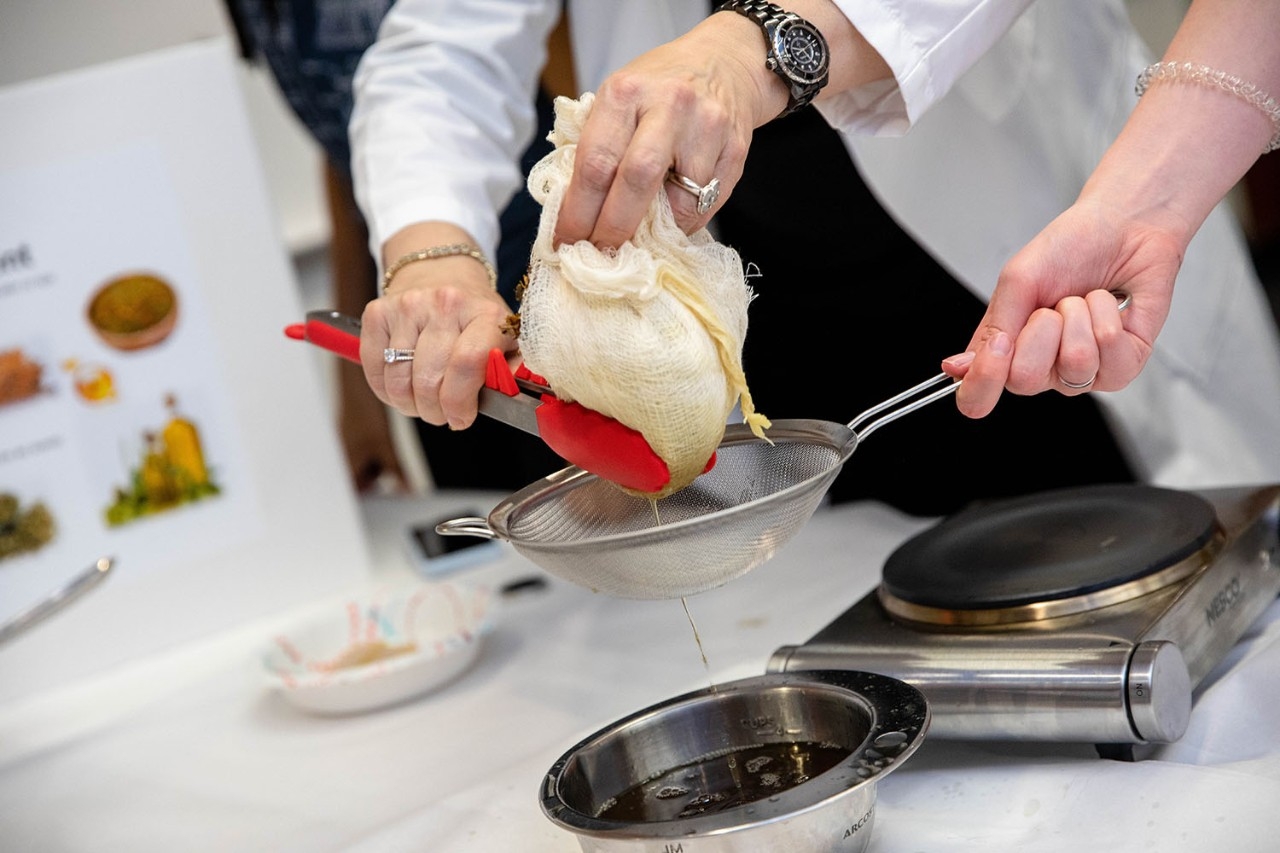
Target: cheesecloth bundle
{"points": [[649, 334]]}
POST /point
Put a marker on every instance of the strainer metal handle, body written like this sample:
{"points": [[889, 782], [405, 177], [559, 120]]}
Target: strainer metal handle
{"points": [[1123, 300], [870, 425], [469, 525]]}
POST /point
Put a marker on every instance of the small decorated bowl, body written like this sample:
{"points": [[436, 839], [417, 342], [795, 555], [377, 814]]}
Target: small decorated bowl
{"points": [[380, 649], [133, 311]]}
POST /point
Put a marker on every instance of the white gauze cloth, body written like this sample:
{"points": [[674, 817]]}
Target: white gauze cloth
{"points": [[649, 334]]}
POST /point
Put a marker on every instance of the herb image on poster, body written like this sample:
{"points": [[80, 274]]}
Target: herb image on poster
{"points": [[23, 528]]}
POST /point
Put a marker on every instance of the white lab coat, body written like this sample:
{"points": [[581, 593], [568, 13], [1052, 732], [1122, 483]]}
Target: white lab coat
{"points": [[997, 114]]}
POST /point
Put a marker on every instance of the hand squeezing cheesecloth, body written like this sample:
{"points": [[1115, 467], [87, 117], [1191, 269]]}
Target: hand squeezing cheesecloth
{"points": [[649, 334]]}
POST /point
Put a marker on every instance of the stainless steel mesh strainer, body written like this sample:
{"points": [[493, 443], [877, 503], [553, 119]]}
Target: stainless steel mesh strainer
{"points": [[723, 525], [728, 521]]}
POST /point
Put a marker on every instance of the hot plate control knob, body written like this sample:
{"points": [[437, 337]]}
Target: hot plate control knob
{"points": [[1158, 691]]}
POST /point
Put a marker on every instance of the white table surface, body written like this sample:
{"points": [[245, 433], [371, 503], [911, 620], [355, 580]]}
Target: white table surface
{"points": [[191, 751]]}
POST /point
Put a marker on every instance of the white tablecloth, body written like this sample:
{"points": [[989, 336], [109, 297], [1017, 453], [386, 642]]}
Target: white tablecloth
{"points": [[191, 751]]}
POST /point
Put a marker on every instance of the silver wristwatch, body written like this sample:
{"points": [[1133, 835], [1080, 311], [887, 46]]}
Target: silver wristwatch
{"points": [[797, 52]]}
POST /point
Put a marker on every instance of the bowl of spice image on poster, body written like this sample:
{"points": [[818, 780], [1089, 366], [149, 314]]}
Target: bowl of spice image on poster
{"points": [[133, 311]]}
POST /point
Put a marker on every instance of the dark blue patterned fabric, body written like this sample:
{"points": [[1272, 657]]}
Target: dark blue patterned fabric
{"points": [[312, 49]]}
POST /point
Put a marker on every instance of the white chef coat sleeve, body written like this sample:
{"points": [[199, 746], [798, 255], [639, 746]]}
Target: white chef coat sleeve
{"points": [[443, 111], [928, 44]]}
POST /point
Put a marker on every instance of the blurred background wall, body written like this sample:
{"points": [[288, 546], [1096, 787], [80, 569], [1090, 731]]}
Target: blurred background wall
{"points": [[38, 37]]}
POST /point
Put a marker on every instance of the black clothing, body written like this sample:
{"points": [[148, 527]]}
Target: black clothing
{"points": [[850, 311], [312, 49]]}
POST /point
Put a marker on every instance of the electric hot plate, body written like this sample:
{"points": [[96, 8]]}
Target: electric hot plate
{"points": [[1086, 614]]}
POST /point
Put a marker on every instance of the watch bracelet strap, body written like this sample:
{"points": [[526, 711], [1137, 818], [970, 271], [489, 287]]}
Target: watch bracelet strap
{"points": [[760, 10], [763, 13]]}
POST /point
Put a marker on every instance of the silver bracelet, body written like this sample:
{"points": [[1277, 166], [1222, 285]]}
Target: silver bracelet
{"points": [[446, 251], [1191, 73]]}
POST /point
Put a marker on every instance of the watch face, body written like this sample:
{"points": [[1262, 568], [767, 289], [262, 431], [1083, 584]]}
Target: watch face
{"points": [[802, 51]]}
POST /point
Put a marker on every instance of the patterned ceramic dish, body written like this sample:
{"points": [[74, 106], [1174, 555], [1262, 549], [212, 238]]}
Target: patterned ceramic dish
{"points": [[380, 649]]}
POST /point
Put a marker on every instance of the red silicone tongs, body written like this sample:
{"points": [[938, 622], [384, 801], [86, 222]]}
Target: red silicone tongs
{"points": [[588, 439]]}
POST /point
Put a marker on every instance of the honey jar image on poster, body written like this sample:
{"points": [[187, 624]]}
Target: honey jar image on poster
{"points": [[92, 382], [170, 472]]}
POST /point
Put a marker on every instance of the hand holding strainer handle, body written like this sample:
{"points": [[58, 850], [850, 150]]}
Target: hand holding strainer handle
{"points": [[869, 424]]}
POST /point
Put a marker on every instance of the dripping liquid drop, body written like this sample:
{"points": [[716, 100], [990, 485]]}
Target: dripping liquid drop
{"points": [[697, 639], [657, 520]]}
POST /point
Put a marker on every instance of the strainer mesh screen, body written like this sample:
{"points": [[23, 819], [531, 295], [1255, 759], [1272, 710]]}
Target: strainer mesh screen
{"points": [[730, 520]]}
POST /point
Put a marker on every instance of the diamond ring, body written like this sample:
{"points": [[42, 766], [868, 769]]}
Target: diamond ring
{"points": [[391, 356], [707, 195]]}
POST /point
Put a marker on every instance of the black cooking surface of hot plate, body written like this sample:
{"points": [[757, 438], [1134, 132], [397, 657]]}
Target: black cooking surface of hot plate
{"points": [[1048, 546]]}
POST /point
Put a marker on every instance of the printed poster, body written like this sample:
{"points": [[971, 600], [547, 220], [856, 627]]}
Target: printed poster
{"points": [[152, 409], [116, 434]]}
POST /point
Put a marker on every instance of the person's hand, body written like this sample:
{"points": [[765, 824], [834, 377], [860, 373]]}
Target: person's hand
{"points": [[446, 311], [1052, 323], [689, 105]]}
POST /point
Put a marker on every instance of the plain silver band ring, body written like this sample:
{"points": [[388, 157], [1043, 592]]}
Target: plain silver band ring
{"points": [[392, 356], [1080, 385], [707, 195], [1123, 300]]}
